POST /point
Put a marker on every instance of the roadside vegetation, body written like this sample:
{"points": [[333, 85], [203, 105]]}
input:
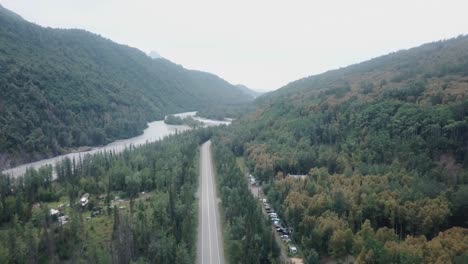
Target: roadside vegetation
{"points": [[248, 235]]}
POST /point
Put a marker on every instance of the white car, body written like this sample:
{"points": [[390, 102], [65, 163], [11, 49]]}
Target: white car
{"points": [[292, 249]]}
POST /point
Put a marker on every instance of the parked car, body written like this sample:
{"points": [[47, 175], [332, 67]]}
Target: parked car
{"points": [[292, 249]]}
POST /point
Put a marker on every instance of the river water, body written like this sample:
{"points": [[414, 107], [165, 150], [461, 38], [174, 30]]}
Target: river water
{"points": [[156, 130]]}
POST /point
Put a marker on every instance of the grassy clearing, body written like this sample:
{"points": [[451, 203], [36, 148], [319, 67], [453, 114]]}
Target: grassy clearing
{"points": [[99, 229], [240, 161]]}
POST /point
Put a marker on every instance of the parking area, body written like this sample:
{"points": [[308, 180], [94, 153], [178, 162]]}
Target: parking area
{"points": [[281, 229], [282, 232]]}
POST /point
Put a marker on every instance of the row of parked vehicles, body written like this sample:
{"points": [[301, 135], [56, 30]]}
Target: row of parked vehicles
{"points": [[282, 231]]}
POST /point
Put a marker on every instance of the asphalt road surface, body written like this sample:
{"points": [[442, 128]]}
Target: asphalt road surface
{"points": [[210, 248]]}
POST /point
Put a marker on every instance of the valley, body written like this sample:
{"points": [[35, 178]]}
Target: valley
{"points": [[366, 163]]}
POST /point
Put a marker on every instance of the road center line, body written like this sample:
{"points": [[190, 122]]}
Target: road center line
{"points": [[208, 205]]}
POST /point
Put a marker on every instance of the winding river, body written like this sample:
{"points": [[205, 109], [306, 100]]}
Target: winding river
{"points": [[155, 131]]}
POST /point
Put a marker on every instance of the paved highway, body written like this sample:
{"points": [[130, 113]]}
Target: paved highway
{"points": [[210, 242]]}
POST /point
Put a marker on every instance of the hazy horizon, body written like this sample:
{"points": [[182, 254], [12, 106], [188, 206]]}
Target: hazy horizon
{"points": [[263, 45]]}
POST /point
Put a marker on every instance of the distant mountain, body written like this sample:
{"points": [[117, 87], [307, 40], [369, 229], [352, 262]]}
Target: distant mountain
{"points": [[154, 55], [64, 88], [254, 94]]}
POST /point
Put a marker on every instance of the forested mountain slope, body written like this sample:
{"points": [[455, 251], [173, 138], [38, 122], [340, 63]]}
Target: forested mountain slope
{"points": [[63, 88], [248, 91], [384, 144], [442, 66]]}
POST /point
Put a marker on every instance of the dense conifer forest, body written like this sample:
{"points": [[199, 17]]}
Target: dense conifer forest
{"points": [[140, 206]]}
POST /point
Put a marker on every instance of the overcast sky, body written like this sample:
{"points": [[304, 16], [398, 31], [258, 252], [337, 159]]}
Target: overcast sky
{"points": [[262, 44]]}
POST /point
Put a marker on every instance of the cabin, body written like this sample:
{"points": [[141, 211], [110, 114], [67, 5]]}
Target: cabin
{"points": [[297, 177], [54, 212]]}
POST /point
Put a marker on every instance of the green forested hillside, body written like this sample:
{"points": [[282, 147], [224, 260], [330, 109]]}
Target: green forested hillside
{"points": [[441, 66], [63, 88], [248, 91], [384, 144]]}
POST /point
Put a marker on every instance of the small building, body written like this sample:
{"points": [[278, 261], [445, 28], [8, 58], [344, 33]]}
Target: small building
{"points": [[54, 212], [297, 177]]}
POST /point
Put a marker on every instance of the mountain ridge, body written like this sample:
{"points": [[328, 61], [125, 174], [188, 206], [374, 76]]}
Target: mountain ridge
{"points": [[443, 62], [154, 55], [253, 93]]}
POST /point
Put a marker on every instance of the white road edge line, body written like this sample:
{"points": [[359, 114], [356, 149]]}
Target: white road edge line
{"points": [[213, 189], [201, 209]]}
